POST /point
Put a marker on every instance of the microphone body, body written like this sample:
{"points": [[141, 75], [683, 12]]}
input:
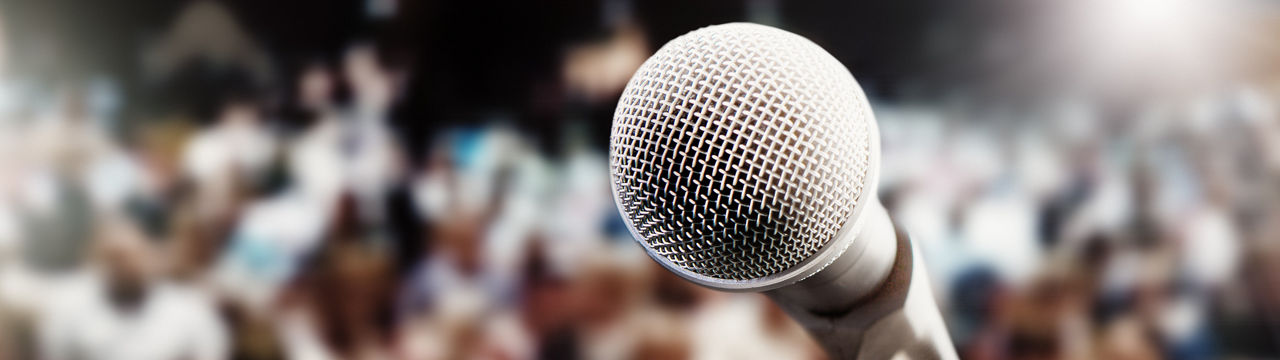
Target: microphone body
{"points": [[745, 158], [853, 317]]}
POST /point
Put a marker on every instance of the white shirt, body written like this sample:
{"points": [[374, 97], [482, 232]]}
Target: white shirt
{"points": [[360, 155], [213, 153], [173, 323], [736, 328]]}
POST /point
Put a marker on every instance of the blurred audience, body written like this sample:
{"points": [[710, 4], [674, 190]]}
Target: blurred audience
{"points": [[122, 308], [1088, 231]]}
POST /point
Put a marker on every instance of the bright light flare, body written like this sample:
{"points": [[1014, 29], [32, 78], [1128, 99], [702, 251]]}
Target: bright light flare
{"points": [[1151, 43]]}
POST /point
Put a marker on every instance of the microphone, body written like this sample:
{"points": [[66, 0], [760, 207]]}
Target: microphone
{"points": [[745, 158]]}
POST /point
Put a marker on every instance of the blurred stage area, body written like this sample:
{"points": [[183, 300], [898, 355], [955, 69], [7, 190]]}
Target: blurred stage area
{"points": [[418, 179]]}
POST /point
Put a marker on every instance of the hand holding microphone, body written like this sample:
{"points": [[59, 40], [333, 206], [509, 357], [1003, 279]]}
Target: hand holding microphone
{"points": [[745, 158]]}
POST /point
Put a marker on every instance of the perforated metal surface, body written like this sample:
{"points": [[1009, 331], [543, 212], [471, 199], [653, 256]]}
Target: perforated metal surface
{"points": [[738, 151]]}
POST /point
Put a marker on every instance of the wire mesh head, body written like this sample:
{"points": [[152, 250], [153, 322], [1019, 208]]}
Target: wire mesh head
{"points": [[739, 151]]}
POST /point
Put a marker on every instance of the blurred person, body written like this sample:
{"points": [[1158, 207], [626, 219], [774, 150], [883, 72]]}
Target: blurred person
{"points": [[464, 325], [999, 227], [453, 266], [121, 309], [226, 166], [161, 183], [610, 308], [50, 206], [697, 323], [1254, 115], [1210, 241], [237, 147], [478, 215], [627, 307], [338, 306], [540, 325], [935, 219], [264, 245], [1107, 206], [665, 338], [1171, 314], [315, 90], [375, 85], [57, 192], [354, 149], [739, 326], [247, 256], [580, 202], [202, 243], [981, 317], [314, 159], [194, 243], [1093, 260], [484, 272], [74, 139], [546, 306], [672, 293], [1050, 320], [269, 236], [597, 71], [1125, 338], [67, 137], [372, 151], [55, 237], [1250, 332], [18, 333]]}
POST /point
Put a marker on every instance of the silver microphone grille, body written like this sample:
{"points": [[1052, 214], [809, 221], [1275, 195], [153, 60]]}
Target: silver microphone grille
{"points": [[739, 151]]}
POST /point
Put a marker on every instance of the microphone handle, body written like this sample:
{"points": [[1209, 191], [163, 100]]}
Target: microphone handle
{"points": [[898, 320]]}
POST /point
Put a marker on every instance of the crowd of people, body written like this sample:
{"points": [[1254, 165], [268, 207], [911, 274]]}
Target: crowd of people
{"points": [[1073, 232], [244, 236], [1072, 236]]}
